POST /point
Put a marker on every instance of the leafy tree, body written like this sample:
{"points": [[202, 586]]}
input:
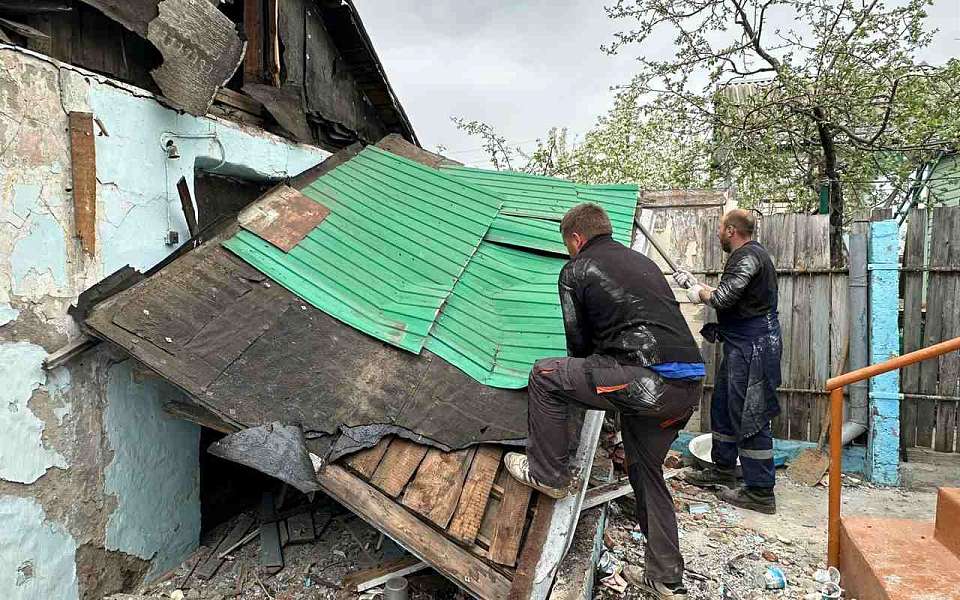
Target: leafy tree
{"points": [[833, 96]]}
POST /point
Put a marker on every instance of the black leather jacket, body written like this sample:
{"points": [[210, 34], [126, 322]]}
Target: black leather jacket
{"points": [[617, 303], [748, 285]]}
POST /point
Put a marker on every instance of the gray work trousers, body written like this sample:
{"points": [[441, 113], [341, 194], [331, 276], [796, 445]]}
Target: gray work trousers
{"points": [[652, 410]]}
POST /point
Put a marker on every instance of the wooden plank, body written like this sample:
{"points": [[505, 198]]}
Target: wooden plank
{"points": [[300, 527], [783, 257], [934, 331], [186, 204], [83, 166], [910, 408], [452, 561], [949, 364], [271, 552], [273, 42], [476, 492], [398, 466], [523, 579], [361, 581], [253, 27], [799, 413], [606, 493], [365, 462], [435, 490], [239, 101], [24, 30], [712, 261], [209, 567], [821, 314], [511, 519]]}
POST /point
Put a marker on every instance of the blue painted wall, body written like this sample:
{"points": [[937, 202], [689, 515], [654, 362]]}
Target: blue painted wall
{"points": [[37, 557], [50, 420], [883, 444], [154, 473]]}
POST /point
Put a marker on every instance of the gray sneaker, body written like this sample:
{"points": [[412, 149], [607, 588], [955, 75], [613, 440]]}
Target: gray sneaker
{"points": [[519, 468]]}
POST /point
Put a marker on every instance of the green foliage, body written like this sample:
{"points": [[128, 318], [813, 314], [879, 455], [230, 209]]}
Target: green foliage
{"points": [[834, 96]]}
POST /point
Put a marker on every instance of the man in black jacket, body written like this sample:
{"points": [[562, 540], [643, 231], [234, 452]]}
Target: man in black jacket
{"points": [[629, 350], [744, 396]]}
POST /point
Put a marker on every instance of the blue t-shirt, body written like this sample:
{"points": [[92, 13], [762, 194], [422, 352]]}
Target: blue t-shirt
{"points": [[679, 370]]}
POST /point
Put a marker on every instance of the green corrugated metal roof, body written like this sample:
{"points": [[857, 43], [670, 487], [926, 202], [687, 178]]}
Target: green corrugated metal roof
{"points": [[533, 206], [403, 241], [503, 314], [398, 236]]}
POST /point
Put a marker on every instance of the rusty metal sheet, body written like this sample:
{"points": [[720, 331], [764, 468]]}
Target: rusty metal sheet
{"points": [[283, 217], [83, 165]]}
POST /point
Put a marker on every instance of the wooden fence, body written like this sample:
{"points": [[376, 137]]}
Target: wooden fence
{"points": [[931, 313], [813, 317]]}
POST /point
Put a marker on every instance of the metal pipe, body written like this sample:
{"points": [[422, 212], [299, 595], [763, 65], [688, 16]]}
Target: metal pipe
{"points": [[833, 523], [858, 410], [835, 386], [897, 362]]}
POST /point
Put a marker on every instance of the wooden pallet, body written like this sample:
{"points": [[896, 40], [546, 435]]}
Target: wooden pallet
{"points": [[459, 511]]}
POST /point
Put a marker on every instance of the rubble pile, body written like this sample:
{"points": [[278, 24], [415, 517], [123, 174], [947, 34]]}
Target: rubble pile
{"points": [[344, 544], [725, 559]]}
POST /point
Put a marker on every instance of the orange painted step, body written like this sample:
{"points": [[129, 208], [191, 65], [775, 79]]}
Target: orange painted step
{"points": [[947, 530], [896, 559]]}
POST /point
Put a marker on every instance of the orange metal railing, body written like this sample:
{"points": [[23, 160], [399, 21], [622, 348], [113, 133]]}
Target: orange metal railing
{"points": [[835, 387]]}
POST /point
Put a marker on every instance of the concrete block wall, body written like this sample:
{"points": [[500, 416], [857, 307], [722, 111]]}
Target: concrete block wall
{"points": [[98, 486]]}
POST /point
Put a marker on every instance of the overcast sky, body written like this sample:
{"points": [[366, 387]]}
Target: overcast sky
{"points": [[523, 66]]}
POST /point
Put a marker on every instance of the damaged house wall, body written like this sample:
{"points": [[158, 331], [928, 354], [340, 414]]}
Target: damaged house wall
{"points": [[98, 487]]}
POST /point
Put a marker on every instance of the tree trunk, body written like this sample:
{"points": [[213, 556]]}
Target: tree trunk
{"points": [[836, 191]]}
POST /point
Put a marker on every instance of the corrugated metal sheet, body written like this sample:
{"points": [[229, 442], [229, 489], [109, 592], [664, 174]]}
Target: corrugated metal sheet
{"points": [[503, 315], [398, 237], [533, 206]]}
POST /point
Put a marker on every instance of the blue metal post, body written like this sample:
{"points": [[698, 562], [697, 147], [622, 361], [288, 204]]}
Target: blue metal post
{"points": [[883, 442]]}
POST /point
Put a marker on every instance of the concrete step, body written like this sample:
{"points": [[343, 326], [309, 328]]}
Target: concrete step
{"points": [[947, 528], [896, 559]]}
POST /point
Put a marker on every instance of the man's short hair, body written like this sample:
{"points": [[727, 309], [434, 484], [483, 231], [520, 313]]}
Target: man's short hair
{"points": [[587, 219], [742, 220]]}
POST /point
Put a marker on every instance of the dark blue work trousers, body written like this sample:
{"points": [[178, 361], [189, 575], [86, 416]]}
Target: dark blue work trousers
{"points": [[740, 380]]}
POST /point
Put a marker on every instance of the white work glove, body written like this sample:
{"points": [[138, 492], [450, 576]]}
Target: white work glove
{"points": [[684, 279], [693, 294]]}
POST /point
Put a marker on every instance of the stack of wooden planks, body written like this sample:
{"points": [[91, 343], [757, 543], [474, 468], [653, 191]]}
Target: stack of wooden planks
{"points": [[459, 511], [466, 494]]}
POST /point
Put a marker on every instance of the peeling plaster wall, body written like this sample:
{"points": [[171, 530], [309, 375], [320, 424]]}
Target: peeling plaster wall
{"points": [[36, 556], [155, 472], [88, 459]]}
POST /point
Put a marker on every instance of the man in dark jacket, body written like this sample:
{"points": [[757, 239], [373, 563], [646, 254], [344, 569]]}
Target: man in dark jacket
{"points": [[744, 396], [629, 350]]}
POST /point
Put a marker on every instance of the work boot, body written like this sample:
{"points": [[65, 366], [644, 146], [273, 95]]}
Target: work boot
{"points": [[761, 500], [663, 591], [712, 477], [519, 468]]}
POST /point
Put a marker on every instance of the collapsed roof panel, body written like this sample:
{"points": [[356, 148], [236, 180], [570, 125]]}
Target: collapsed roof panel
{"points": [[503, 315], [398, 236], [252, 353]]}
